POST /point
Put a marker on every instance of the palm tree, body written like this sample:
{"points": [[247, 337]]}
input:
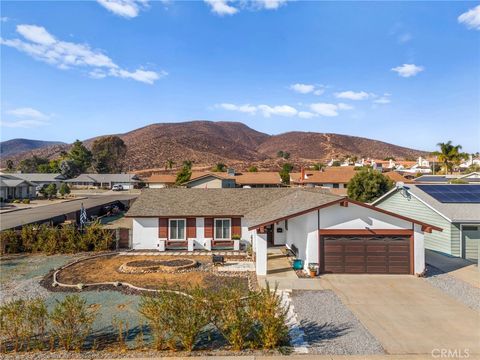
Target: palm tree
{"points": [[169, 164], [449, 155], [187, 164]]}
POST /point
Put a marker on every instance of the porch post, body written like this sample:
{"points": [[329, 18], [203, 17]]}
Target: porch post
{"points": [[261, 253]]}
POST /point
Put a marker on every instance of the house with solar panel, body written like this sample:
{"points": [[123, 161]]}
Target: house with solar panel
{"points": [[454, 208]]}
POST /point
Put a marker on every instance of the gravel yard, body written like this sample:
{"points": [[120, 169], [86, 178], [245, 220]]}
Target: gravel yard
{"points": [[456, 288], [330, 327]]}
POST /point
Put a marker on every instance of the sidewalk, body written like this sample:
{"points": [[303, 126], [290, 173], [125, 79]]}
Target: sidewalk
{"points": [[318, 357]]}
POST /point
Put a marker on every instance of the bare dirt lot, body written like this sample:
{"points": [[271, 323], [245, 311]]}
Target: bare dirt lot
{"points": [[105, 269]]}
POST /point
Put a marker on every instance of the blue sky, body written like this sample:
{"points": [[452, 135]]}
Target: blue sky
{"points": [[401, 72]]}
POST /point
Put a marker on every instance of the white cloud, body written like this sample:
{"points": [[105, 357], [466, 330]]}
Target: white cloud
{"points": [[302, 88], [270, 4], [65, 55], [352, 95], [408, 70], [385, 99], [280, 110], [329, 110], [306, 114], [26, 124], [124, 8], [247, 108], [319, 92], [471, 18], [221, 7], [27, 113]]}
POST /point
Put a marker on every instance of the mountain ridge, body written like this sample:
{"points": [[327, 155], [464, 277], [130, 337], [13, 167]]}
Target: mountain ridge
{"points": [[206, 142]]}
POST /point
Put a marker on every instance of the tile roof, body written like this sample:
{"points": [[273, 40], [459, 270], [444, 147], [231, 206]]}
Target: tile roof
{"points": [[258, 178], [257, 205], [162, 178], [331, 175], [395, 176]]}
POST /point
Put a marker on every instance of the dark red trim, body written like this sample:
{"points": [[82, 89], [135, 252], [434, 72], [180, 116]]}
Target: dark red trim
{"points": [[367, 232]]}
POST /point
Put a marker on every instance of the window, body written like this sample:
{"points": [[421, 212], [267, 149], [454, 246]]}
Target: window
{"points": [[176, 229], [222, 229], [336, 186]]}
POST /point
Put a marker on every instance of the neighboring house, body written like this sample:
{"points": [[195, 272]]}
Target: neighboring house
{"points": [[473, 178], [212, 180], [471, 161], [338, 234], [42, 179], [105, 181], [13, 187], [454, 208], [332, 177]]}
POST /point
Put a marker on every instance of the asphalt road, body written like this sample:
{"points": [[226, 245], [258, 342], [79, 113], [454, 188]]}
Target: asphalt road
{"points": [[41, 213]]}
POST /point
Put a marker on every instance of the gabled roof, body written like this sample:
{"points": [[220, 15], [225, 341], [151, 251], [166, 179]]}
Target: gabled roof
{"points": [[215, 175], [453, 212], [258, 178], [395, 176], [162, 178], [37, 177], [7, 180], [101, 178], [331, 175]]}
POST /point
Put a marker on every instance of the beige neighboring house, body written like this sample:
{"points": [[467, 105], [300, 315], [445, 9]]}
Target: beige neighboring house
{"points": [[13, 187], [105, 181]]}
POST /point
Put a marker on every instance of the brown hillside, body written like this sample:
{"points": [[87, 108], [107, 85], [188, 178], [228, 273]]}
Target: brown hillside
{"points": [[234, 143]]}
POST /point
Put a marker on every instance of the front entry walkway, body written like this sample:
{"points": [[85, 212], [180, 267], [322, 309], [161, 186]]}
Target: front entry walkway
{"points": [[457, 267], [406, 314], [281, 274]]}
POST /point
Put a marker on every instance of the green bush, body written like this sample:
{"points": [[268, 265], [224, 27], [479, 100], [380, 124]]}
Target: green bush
{"points": [[71, 322], [26, 201], [270, 316], [152, 308], [10, 242], [23, 323], [96, 238], [64, 189], [16, 201]]}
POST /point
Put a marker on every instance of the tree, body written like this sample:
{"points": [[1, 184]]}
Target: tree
{"points": [[252, 169], [10, 165], [51, 190], [449, 155], [33, 164], [169, 164], [219, 167], [68, 168], [286, 155], [336, 163], [64, 189], [368, 185], [108, 154], [285, 173], [81, 158], [318, 166], [389, 158], [185, 173], [280, 153]]}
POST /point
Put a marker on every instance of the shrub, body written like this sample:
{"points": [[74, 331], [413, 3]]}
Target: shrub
{"points": [[152, 308], [69, 239], [71, 321], [10, 242], [48, 240], [232, 316], [97, 238], [16, 201], [28, 235], [270, 316], [64, 189], [23, 322], [26, 201]]}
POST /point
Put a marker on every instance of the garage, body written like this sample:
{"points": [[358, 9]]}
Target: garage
{"points": [[363, 254]]}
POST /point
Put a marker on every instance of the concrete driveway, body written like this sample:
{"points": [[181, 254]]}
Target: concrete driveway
{"points": [[406, 314]]}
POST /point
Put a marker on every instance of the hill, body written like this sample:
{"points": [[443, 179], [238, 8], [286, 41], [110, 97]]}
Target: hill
{"points": [[16, 146], [233, 143]]}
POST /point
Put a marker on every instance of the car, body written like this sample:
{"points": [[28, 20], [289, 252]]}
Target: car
{"points": [[117, 187]]}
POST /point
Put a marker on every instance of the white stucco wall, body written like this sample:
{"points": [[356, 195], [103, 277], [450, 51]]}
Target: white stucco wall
{"points": [[156, 185], [260, 253], [358, 217], [200, 239], [145, 233], [419, 250], [280, 238], [303, 232]]}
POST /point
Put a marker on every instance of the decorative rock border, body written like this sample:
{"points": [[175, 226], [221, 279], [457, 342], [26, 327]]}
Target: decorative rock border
{"points": [[157, 266]]}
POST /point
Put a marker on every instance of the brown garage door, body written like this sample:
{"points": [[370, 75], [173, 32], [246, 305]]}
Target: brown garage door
{"points": [[366, 254]]}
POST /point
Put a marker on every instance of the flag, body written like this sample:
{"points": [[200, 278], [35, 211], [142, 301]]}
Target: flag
{"points": [[83, 216]]}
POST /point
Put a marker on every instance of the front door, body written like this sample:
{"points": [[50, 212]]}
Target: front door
{"points": [[270, 234], [471, 238]]}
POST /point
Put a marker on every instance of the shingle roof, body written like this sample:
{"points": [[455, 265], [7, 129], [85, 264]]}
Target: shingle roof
{"points": [[257, 205], [258, 178], [99, 178], [7, 180], [37, 177]]}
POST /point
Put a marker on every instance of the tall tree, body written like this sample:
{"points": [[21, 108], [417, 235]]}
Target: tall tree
{"points": [[185, 173], [33, 165], [285, 173], [368, 185], [81, 158], [219, 167], [169, 164], [108, 154], [449, 156], [10, 165]]}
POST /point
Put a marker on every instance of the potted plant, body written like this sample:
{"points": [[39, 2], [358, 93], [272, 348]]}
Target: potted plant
{"points": [[312, 269], [236, 237]]}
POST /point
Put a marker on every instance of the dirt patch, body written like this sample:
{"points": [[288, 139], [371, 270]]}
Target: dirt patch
{"points": [[105, 269]]}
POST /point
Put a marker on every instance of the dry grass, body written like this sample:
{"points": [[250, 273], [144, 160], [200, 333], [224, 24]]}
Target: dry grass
{"points": [[105, 269]]}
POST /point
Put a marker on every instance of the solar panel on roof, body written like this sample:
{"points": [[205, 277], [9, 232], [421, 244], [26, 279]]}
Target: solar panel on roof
{"points": [[453, 193]]}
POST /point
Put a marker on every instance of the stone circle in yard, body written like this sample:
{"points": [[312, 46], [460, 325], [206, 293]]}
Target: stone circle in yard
{"points": [[149, 266]]}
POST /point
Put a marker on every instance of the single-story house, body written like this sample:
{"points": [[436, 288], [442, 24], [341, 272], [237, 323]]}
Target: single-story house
{"points": [[216, 180], [13, 187], [106, 181], [453, 208], [159, 181], [338, 234], [42, 179]]}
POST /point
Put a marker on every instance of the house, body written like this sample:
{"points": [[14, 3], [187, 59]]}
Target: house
{"points": [[13, 187], [472, 178], [338, 234], [42, 179], [333, 177], [453, 208], [212, 180], [105, 181]]}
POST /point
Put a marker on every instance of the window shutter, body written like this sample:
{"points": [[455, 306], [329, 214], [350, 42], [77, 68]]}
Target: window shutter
{"points": [[236, 226], [191, 228], [163, 228], [208, 227]]}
